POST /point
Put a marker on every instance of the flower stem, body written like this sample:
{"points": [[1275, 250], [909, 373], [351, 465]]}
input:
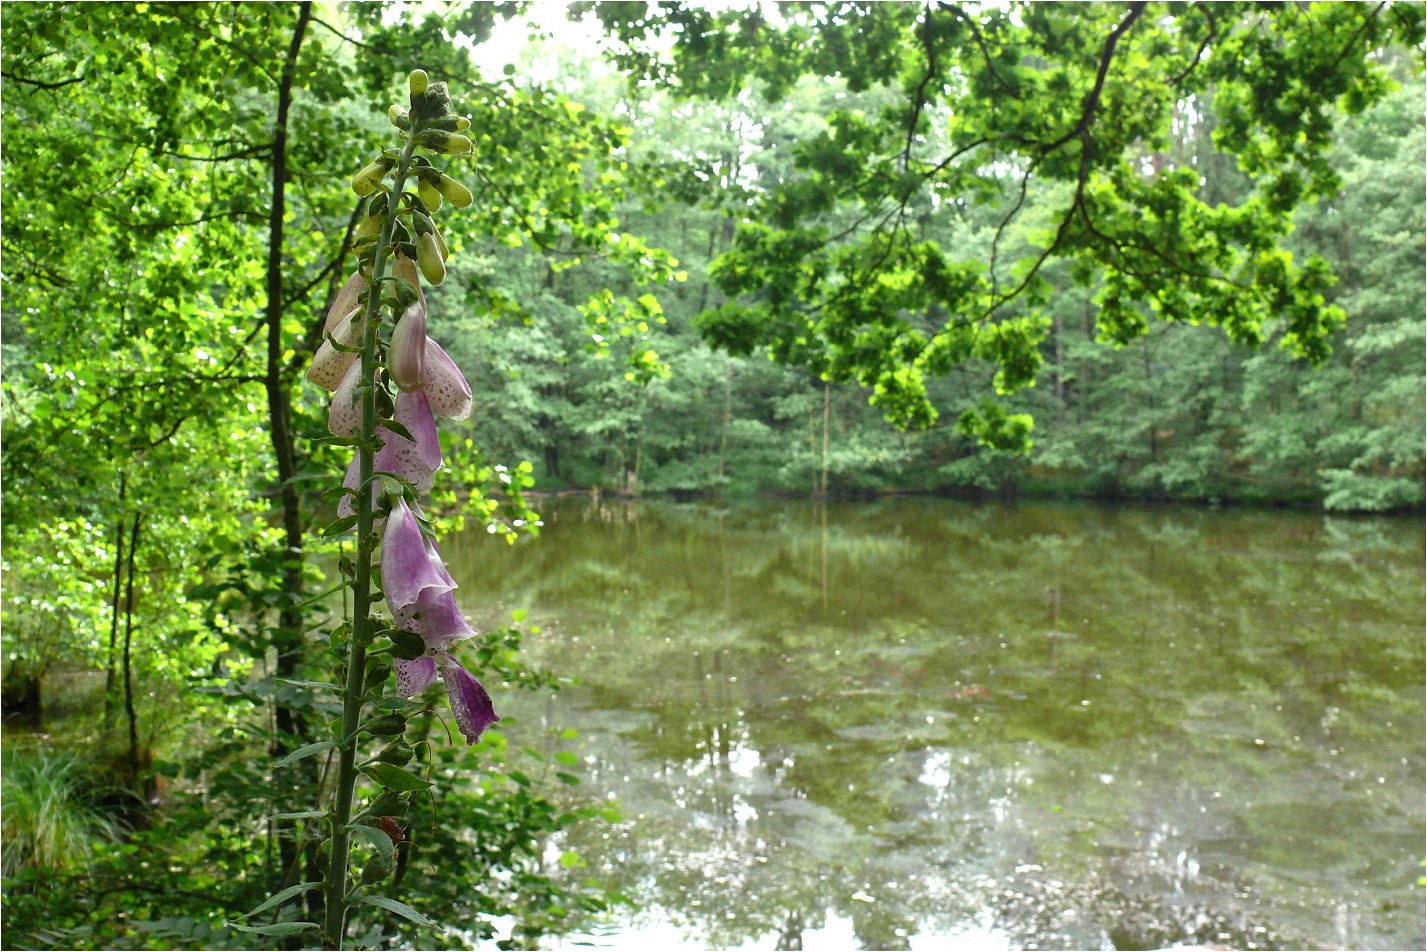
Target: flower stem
{"points": [[361, 634]]}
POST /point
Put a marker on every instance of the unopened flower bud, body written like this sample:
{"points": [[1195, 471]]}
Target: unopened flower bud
{"points": [[429, 257], [371, 225], [418, 81], [451, 143], [404, 268], [462, 123], [399, 117], [437, 101], [406, 360], [429, 194], [456, 193], [365, 182], [441, 246]]}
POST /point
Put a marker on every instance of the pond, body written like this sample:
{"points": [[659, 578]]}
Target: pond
{"points": [[920, 723]]}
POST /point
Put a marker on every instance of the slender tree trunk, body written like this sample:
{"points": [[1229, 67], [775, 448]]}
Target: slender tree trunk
{"points": [[827, 414], [110, 676], [812, 448], [1059, 335], [287, 637], [128, 646], [724, 419], [1153, 421], [552, 459], [22, 697], [1085, 383], [631, 476]]}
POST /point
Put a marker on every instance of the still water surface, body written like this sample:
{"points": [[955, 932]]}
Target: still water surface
{"points": [[926, 724]]}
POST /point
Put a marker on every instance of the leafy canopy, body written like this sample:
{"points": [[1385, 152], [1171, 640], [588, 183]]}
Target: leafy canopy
{"points": [[834, 267]]}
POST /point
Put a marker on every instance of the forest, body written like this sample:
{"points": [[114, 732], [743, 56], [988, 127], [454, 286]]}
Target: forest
{"points": [[788, 259]]}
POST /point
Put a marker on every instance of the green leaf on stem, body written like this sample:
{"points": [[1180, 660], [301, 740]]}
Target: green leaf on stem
{"points": [[399, 430], [306, 751], [340, 526], [376, 839], [277, 928], [280, 898], [394, 778], [400, 908], [390, 803]]}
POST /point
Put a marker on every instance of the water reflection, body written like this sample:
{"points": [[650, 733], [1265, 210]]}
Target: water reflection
{"points": [[892, 725]]}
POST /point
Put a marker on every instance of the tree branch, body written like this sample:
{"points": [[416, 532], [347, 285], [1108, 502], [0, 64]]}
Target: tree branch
{"points": [[1006, 221], [1092, 99], [1209, 37], [252, 152], [41, 84], [919, 99], [347, 39], [980, 43], [1081, 131]]}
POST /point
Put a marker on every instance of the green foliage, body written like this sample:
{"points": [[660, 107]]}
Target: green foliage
{"points": [[50, 825], [836, 266], [1181, 414]]}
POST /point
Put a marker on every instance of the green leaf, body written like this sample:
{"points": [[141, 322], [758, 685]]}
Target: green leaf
{"points": [[394, 778], [321, 595], [339, 526], [278, 928], [376, 839], [312, 685], [306, 751], [280, 898], [400, 908], [399, 430]]}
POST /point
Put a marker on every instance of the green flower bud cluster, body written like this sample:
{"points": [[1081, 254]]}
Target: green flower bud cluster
{"points": [[437, 129]]}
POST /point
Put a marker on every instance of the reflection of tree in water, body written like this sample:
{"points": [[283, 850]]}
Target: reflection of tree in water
{"points": [[871, 717]]}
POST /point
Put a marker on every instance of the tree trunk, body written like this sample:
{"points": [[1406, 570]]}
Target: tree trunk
{"points": [[129, 712], [724, 418], [110, 676], [1059, 336], [827, 413], [1153, 422], [287, 637], [631, 473], [21, 699]]}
